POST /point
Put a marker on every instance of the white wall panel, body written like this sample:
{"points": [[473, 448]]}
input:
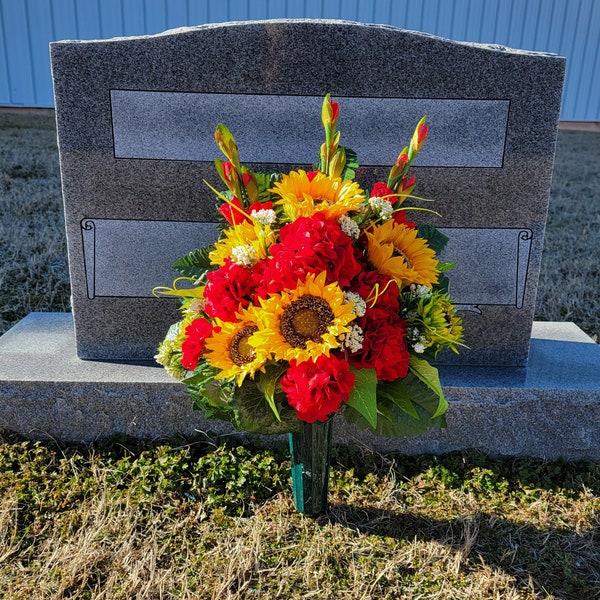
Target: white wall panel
{"points": [[567, 27]]}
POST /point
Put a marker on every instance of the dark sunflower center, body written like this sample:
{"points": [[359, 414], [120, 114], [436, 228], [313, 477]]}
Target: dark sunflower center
{"points": [[398, 252], [306, 319], [240, 349]]}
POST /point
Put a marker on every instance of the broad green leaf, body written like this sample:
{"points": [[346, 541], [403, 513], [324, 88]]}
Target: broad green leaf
{"points": [[363, 397], [443, 284], [435, 238], [267, 383], [398, 393], [254, 415], [212, 398], [394, 422], [430, 377], [351, 167]]}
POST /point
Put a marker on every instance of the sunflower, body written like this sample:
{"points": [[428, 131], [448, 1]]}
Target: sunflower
{"points": [[229, 350], [395, 250], [443, 327], [303, 196], [303, 323], [245, 243]]}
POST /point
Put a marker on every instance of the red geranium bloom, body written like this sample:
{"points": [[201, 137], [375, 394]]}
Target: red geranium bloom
{"points": [[384, 345], [230, 288], [310, 245], [316, 389], [193, 346], [378, 290]]}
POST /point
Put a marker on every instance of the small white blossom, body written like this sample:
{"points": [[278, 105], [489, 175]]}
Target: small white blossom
{"points": [[382, 207], [243, 255], [419, 348], [264, 216], [353, 339], [349, 226], [417, 291], [360, 306]]}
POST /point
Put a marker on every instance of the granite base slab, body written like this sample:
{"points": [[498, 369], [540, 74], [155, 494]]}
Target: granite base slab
{"points": [[548, 410]]}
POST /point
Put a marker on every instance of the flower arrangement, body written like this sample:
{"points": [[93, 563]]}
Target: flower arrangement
{"points": [[317, 298]]}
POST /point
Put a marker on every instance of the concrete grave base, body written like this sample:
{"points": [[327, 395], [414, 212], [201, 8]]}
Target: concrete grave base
{"points": [[549, 410]]}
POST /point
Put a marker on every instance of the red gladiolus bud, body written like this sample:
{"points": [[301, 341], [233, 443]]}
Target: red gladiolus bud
{"points": [[408, 182], [335, 111], [228, 171], [231, 214], [402, 160]]}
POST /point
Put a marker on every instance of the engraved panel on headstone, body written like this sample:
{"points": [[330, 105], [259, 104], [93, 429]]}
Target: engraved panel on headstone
{"points": [[169, 125], [114, 248]]}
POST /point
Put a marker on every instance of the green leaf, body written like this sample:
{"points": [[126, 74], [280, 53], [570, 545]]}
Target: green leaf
{"points": [[393, 422], [210, 396], [407, 406], [195, 264], [400, 396], [445, 266], [254, 415], [435, 238], [351, 166], [430, 377], [443, 284], [267, 383], [363, 397]]}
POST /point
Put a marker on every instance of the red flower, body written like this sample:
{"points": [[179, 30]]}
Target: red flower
{"points": [[231, 213], [384, 346], [310, 245], [317, 389], [400, 217], [230, 288], [335, 111], [378, 290], [312, 174], [193, 346], [381, 190]]}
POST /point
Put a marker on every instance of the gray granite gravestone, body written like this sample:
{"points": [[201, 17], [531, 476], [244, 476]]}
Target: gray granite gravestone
{"points": [[136, 117], [135, 122]]}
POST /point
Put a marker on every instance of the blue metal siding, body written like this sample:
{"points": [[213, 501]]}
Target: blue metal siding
{"points": [[567, 27]]}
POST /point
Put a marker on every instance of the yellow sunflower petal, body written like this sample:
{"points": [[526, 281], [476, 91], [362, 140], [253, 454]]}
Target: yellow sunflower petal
{"points": [[255, 238], [395, 250], [302, 197], [228, 348]]}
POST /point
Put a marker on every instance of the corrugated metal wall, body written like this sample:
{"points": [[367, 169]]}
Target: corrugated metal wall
{"points": [[567, 27]]}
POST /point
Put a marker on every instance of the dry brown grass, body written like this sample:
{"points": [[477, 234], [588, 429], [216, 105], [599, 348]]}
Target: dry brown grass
{"points": [[77, 523]]}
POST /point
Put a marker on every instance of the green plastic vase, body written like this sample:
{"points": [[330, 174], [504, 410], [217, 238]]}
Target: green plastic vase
{"points": [[310, 451]]}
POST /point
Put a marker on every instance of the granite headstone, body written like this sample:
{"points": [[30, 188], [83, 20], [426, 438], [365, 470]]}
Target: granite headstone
{"points": [[136, 116]]}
